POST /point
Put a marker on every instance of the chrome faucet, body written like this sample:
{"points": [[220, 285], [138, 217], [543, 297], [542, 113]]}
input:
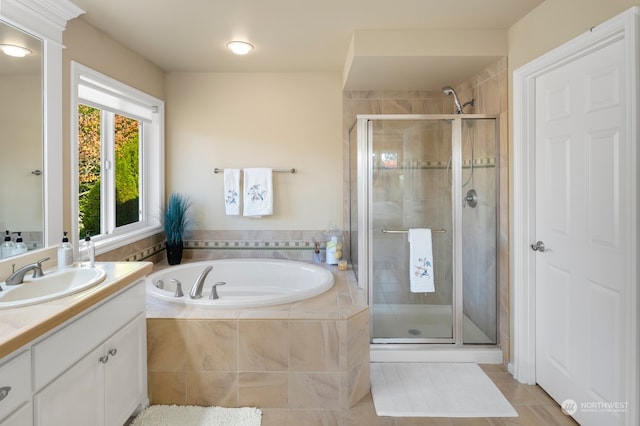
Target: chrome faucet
{"points": [[18, 276], [196, 290], [214, 290]]}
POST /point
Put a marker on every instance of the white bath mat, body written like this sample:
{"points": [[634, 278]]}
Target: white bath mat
{"points": [[436, 390], [187, 415]]}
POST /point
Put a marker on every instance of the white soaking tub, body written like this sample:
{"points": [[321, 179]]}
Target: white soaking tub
{"points": [[247, 282]]}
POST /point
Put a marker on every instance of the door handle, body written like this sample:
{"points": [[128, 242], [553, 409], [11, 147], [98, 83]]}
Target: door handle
{"points": [[538, 246]]}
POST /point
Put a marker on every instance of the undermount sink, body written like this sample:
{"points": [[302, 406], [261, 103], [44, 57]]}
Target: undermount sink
{"points": [[53, 285]]}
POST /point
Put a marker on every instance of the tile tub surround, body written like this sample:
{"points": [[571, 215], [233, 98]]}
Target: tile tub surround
{"points": [[312, 354]]}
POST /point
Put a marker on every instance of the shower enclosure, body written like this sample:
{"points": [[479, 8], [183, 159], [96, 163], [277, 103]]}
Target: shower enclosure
{"points": [[426, 171]]}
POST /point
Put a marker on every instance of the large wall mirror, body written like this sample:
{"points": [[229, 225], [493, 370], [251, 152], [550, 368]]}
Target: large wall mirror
{"points": [[21, 138]]}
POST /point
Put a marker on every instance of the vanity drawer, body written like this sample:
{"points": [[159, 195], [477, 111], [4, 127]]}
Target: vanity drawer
{"points": [[56, 353], [15, 383]]}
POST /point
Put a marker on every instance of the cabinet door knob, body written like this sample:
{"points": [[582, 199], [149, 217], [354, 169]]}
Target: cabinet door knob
{"points": [[113, 352], [104, 359], [4, 391]]}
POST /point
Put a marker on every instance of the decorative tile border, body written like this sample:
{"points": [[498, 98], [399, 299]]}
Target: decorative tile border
{"points": [[487, 162], [249, 245], [292, 250], [207, 247], [147, 253]]}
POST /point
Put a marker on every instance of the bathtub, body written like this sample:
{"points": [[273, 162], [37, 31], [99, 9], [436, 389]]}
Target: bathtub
{"points": [[248, 282]]}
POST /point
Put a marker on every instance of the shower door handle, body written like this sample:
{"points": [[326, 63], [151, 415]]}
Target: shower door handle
{"points": [[538, 246]]}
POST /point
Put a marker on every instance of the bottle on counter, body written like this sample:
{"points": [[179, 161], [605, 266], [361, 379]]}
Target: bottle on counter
{"points": [[20, 247], [332, 247], [65, 253], [6, 250], [88, 252]]}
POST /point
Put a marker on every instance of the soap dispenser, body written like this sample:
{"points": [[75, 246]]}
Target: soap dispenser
{"points": [[65, 253], [89, 252], [332, 247], [6, 250], [20, 247]]}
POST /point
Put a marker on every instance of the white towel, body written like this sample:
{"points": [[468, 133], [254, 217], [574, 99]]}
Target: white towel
{"points": [[232, 192], [258, 192], [420, 261]]}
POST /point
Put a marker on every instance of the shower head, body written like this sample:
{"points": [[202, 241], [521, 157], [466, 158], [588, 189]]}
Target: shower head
{"points": [[448, 90]]}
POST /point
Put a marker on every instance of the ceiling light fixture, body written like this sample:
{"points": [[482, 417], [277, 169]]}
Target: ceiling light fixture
{"points": [[240, 47], [15, 51]]}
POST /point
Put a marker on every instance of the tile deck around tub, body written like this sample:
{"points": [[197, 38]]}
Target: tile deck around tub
{"points": [[308, 354]]}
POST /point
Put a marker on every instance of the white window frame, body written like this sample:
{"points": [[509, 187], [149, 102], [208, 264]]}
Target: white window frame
{"points": [[152, 159]]}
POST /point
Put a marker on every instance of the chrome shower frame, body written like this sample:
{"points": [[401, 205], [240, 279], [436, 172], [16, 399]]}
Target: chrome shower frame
{"points": [[436, 349]]}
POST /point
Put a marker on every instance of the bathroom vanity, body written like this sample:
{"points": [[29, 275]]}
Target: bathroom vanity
{"points": [[78, 360]]}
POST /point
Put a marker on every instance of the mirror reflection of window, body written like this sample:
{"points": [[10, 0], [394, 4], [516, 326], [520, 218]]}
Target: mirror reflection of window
{"points": [[21, 136]]}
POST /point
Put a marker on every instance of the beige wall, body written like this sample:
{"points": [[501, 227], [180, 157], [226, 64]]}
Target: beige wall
{"points": [[242, 120], [95, 49]]}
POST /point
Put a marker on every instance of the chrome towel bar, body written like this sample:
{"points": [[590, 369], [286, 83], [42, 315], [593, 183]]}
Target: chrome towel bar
{"points": [[404, 231], [292, 170]]}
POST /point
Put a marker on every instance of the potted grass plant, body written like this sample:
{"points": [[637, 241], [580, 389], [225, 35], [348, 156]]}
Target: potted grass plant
{"points": [[176, 219]]}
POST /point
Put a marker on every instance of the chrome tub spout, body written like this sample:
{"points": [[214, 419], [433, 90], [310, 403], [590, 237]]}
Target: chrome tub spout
{"points": [[196, 290]]}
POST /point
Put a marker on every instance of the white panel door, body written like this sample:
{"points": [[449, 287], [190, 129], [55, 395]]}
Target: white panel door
{"points": [[580, 274]]}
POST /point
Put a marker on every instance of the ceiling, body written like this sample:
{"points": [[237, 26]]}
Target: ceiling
{"points": [[296, 35]]}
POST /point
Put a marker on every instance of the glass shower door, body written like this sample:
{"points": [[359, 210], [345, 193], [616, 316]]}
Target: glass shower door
{"points": [[410, 184]]}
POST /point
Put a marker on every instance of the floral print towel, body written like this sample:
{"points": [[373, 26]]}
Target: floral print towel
{"points": [[420, 261], [232, 192], [258, 192]]}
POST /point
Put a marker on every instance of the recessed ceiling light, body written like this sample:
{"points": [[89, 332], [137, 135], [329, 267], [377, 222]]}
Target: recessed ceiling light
{"points": [[240, 47], [15, 51]]}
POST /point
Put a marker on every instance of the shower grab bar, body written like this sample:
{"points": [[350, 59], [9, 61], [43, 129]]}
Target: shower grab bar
{"points": [[292, 170], [434, 231]]}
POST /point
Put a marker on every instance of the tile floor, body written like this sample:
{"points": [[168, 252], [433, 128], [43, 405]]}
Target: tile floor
{"points": [[534, 406]]}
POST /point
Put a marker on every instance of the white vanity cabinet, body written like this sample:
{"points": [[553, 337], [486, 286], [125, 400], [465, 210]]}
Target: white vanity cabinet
{"points": [[91, 370], [15, 390], [103, 388]]}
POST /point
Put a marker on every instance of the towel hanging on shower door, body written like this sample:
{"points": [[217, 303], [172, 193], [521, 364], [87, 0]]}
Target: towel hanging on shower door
{"points": [[420, 261]]}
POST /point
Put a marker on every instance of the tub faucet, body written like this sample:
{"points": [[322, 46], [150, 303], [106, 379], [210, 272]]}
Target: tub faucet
{"points": [[196, 290], [214, 290], [18, 276], [178, 292]]}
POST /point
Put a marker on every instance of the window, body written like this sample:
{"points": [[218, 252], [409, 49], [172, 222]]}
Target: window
{"points": [[118, 152]]}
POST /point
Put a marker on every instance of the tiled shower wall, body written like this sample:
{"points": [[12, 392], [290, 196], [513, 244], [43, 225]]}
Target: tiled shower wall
{"points": [[489, 89]]}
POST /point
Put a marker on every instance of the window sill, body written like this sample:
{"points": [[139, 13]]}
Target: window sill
{"points": [[107, 244]]}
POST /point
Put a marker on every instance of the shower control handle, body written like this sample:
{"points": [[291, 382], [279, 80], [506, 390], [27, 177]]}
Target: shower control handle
{"points": [[471, 199], [538, 246]]}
